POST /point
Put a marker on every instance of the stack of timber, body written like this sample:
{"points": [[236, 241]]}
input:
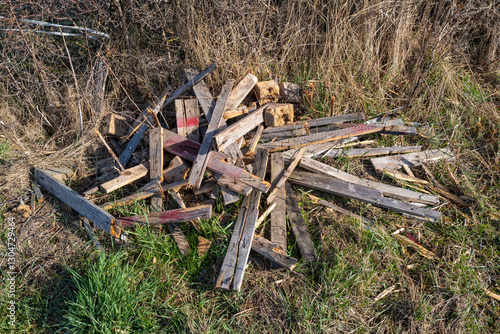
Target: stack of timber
{"points": [[243, 143]]}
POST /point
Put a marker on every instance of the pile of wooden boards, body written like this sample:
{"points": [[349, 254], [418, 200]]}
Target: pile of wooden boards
{"points": [[245, 143]]}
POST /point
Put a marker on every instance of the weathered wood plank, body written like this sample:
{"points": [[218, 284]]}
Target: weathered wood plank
{"points": [[316, 122], [360, 193], [229, 196], [92, 212], [387, 190], [146, 191], [250, 221], [241, 90], [180, 117], [168, 217], [237, 130], [273, 252], [201, 160], [299, 226], [158, 105], [278, 215], [369, 152], [322, 137], [156, 163], [125, 177], [232, 113], [234, 185], [411, 159], [285, 175], [192, 119], [188, 149], [255, 139]]}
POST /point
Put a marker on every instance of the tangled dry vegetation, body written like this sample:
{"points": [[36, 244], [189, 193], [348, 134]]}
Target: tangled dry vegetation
{"points": [[431, 62]]}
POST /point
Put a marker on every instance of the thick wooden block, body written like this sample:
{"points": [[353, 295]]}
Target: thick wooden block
{"points": [[176, 170], [267, 91], [277, 114], [114, 125], [289, 92]]}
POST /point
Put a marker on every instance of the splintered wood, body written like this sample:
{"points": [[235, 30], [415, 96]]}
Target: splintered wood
{"points": [[203, 163]]}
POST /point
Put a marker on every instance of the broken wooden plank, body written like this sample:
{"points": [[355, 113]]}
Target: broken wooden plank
{"points": [[316, 122], [148, 190], [264, 215], [278, 215], [232, 113], [192, 119], [417, 247], [234, 185], [168, 217], [317, 200], [156, 163], [188, 150], [273, 252], [180, 117], [317, 138], [252, 215], [255, 139], [95, 214], [241, 90], [205, 187], [158, 105], [387, 190], [201, 160], [360, 193], [237, 130], [38, 192], [229, 196], [299, 226], [285, 175], [411, 159], [177, 170], [125, 177], [369, 152], [203, 246]]}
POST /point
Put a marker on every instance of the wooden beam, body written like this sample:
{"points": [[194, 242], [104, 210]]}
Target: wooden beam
{"points": [[180, 117], [273, 252], [201, 161], [168, 217], [241, 90], [299, 226], [369, 152], [316, 122], [146, 191], [387, 190], [125, 177], [326, 136], [237, 130], [188, 149], [411, 159], [252, 215], [156, 163], [360, 193], [158, 105], [92, 212], [285, 175], [192, 111], [278, 215]]}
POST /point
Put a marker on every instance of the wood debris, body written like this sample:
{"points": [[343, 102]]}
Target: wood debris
{"points": [[194, 164]]}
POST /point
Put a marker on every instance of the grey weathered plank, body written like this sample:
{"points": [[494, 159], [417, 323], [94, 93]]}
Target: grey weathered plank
{"points": [[273, 252], [369, 152], [411, 159], [92, 212], [241, 90], [237, 130], [168, 217], [234, 185], [285, 175], [156, 163], [201, 161], [278, 215], [192, 119], [251, 218], [322, 137], [360, 193], [298, 226], [387, 190]]}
